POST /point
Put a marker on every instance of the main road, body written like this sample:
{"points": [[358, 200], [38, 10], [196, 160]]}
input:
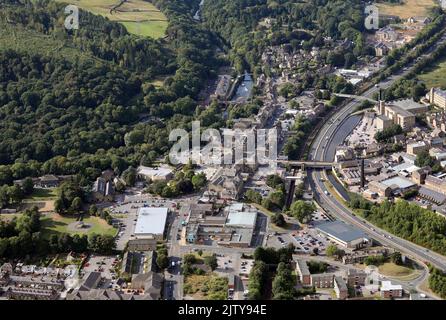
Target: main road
{"points": [[322, 149]]}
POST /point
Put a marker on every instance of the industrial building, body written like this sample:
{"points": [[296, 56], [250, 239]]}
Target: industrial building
{"points": [[399, 185], [238, 218], [151, 222], [233, 226], [400, 112], [345, 235]]}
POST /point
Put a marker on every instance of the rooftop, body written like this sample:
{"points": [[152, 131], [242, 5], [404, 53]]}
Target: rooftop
{"points": [[405, 166], [401, 111], [151, 221], [303, 267], [408, 104], [387, 285], [440, 92], [154, 172], [245, 219], [341, 231], [399, 182], [435, 196], [340, 283]]}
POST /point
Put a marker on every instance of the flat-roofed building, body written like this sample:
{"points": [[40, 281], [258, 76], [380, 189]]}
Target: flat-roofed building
{"points": [[389, 290], [151, 222], [344, 234], [411, 106], [155, 174], [396, 114], [399, 184], [241, 219]]}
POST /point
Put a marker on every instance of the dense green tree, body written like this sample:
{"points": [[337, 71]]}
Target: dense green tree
{"points": [[211, 261], [302, 210], [253, 196]]}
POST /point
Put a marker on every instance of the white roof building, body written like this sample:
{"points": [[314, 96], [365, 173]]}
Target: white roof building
{"points": [[156, 173], [400, 183], [388, 286], [151, 222], [241, 216]]}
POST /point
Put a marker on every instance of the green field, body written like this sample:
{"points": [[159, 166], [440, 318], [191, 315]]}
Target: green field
{"points": [[139, 17], [43, 194], [435, 76], [56, 224]]}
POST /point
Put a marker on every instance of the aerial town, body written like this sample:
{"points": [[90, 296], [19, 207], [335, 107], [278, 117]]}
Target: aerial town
{"points": [[352, 208]]}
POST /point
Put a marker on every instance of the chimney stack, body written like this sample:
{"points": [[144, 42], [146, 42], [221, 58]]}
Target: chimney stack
{"points": [[362, 174]]}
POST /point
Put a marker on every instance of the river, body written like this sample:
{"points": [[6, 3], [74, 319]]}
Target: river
{"points": [[197, 15]]}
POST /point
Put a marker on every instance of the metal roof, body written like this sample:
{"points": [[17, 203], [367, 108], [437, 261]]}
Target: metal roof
{"points": [[245, 219], [341, 231], [400, 182]]}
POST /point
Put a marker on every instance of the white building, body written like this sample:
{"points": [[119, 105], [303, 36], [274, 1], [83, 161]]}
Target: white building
{"points": [[155, 174], [389, 290], [151, 223]]}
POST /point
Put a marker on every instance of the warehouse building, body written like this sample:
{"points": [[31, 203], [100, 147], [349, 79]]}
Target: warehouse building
{"points": [[399, 185], [345, 235], [151, 223]]}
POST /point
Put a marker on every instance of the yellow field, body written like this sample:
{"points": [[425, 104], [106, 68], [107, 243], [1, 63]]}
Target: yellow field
{"points": [[410, 8], [392, 270], [138, 16]]}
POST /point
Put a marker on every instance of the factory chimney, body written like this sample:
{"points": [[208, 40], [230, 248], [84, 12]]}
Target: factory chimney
{"points": [[362, 174]]}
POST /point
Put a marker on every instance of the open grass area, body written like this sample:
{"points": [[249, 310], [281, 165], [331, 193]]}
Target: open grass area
{"points": [[43, 194], [392, 270], [56, 224], [138, 16], [435, 76], [206, 287], [410, 8]]}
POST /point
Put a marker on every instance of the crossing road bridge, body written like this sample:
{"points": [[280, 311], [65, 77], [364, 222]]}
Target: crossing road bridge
{"points": [[308, 164]]}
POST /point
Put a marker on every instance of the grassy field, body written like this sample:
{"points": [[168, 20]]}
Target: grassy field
{"points": [[435, 76], [206, 287], [392, 270], [410, 8], [55, 223], [32, 42], [43, 194], [139, 17]]}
